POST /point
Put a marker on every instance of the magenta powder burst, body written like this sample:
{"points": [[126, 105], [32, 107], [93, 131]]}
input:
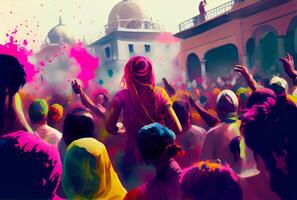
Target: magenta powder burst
{"points": [[21, 52], [86, 61]]}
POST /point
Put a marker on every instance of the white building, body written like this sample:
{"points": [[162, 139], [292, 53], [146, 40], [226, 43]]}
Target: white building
{"points": [[131, 32]]}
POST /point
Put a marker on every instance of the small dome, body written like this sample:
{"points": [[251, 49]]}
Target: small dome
{"points": [[60, 34], [127, 14]]}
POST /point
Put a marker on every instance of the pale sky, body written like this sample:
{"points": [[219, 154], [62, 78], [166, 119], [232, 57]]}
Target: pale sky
{"points": [[86, 18]]}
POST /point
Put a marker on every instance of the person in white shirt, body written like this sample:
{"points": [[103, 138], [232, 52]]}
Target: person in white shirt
{"points": [[218, 139], [38, 112]]}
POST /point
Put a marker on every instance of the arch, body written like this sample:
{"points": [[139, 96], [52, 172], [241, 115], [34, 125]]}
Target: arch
{"points": [[291, 38], [250, 49], [269, 54], [262, 31], [193, 67], [220, 61], [293, 24]]}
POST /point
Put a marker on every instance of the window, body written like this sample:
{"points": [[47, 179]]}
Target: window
{"points": [[147, 48], [110, 73], [107, 52], [131, 48]]}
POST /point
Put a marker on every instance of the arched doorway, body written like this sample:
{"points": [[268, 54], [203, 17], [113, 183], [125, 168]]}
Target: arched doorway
{"points": [[250, 48], [291, 38], [269, 53], [193, 67], [221, 61], [266, 52]]}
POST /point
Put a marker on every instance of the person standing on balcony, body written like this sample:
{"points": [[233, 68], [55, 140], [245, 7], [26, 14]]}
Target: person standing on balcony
{"points": [[202, 12]]}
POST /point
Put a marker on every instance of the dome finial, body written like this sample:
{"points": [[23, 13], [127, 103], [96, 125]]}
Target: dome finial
{"points": [[60, 20]]}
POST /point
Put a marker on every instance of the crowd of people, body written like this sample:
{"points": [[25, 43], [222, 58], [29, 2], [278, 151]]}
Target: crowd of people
{"points": [[149, 141]]}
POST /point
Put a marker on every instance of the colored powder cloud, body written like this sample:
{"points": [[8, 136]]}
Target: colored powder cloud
{"points": [[86, 61], [166, 37], [21, 52]]}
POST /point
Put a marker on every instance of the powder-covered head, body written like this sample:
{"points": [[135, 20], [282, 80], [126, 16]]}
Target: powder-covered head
{"points": [[242, 93], [227, 102], [30, 168], [208, 180], [38, 110], [155, 141], [279, 85], [55, 112], [139, 71], [260, 96]]}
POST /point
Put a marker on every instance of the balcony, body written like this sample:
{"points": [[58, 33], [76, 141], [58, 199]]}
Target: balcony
{"points": [[132, 24], [211, 14]]}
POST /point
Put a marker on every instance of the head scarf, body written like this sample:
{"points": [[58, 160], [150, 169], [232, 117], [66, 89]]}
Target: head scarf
{"points": [[227, 104], [38, 110], [88, 172], [260, 96], [210, 180], [154, 139], [56, 112], [139, 71]]}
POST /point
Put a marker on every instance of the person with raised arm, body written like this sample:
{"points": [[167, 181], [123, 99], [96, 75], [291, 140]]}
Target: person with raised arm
{"points": [[243, 70], [141, 103], [97, 107], [211, 120], [289, 67]]}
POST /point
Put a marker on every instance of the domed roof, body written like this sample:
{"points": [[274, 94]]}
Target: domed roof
{"points": [[60, 34], [127, 12]]}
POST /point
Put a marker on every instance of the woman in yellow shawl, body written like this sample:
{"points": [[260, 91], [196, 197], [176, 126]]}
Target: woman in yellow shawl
{"points": [[88, 172]]}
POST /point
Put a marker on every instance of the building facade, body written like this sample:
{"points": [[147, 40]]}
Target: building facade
{"points": [[255, 33], [131, 32]]}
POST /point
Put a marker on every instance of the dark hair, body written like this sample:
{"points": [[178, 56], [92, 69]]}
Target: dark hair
{"points": [[210, 181], [30, 168], [12, 77], [182, 109], [269, 128], [78, 124], [154, 140]]}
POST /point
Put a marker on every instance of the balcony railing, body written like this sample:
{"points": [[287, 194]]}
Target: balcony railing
{"points": [[199, 19], [132, 23]]}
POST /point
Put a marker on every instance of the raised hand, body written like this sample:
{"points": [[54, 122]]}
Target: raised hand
{"points": [[243, 71], [246, 74], [288, 64], [76, 86]]}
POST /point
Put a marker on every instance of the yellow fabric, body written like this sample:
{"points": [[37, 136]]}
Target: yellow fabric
{"points": [[180, 95], [293, 99], [84, 172]]}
